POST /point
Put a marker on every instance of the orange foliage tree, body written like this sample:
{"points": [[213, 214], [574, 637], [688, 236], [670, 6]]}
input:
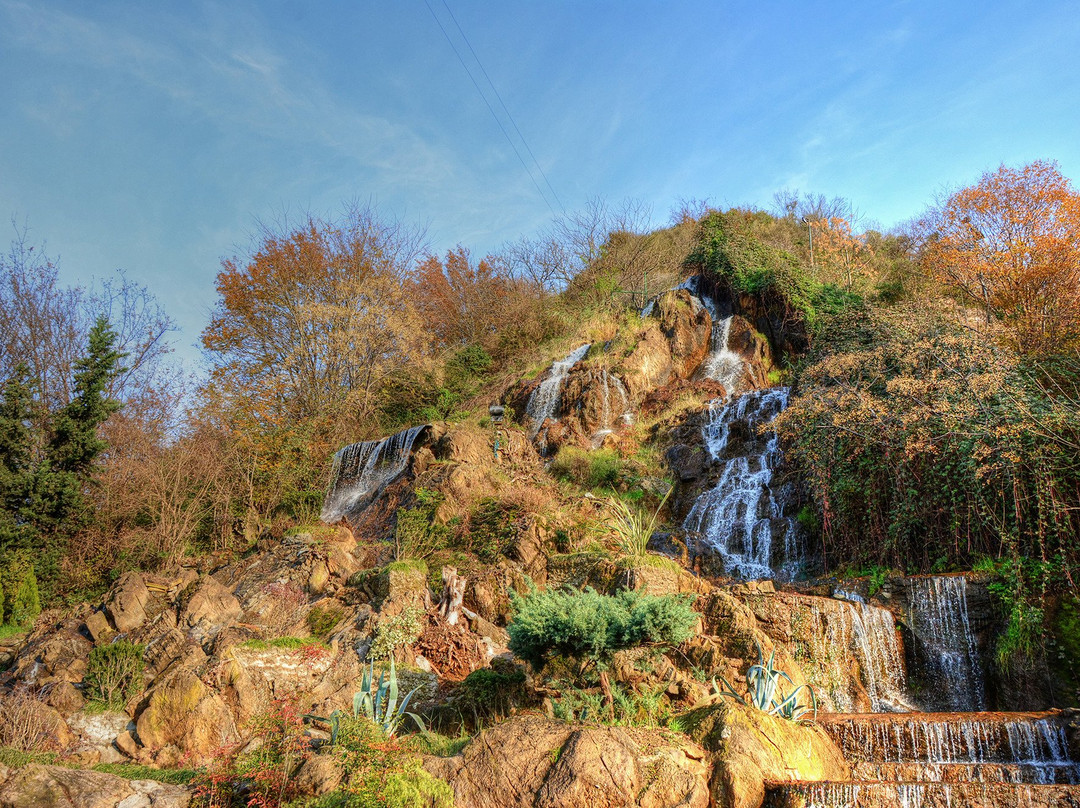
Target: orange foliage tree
{"points": [[841, 256], [463, 304], [1011, 244]]}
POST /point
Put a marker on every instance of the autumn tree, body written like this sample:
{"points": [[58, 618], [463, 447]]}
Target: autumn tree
{"points": [[1011, 245], [316, 317]]}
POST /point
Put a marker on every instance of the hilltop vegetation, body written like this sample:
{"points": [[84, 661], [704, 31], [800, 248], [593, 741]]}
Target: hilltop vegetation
{"points": [[934, 369]]}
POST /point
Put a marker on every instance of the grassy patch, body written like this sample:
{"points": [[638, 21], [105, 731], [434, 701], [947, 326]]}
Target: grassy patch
{"points": [[136, 771]]}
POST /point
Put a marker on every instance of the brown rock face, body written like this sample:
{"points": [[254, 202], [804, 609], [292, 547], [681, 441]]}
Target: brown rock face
{"points": [[539, 763], [754, 350], [56, 787], [687, 326], [649, 365], [752, 747], [127, 604], [184, 713]]}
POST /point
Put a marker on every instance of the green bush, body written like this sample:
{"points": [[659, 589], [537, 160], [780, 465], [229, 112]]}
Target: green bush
{"points": [[114, 674], [489, 693], [417, 535], [595, 469], [19, 588], [590, 626], [381, 772], [396, 630]]}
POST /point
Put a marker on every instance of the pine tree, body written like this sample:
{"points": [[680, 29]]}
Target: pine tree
{"points": [[62, 478], [17, 468]]}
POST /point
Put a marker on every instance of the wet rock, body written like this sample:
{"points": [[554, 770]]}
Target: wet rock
{"points": [[687, 326]]}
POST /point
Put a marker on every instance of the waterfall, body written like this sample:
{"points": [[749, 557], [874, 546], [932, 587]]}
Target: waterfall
{"points": [[985, 747], [544, 401], [742, 518], [939, 620], [868, 633], [873, 634], [607, 421], [722, 364], [361, 470]]}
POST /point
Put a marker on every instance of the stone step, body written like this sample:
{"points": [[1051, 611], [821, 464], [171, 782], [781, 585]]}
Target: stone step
{"points": [[988, 737], [919, 795], [1033, 773]]}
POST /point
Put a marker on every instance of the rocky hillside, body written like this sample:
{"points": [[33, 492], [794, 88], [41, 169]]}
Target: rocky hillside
{"points": [[438, 533]]}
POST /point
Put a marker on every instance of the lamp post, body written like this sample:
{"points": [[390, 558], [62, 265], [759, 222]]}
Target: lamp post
{"points": [[496, 412]]}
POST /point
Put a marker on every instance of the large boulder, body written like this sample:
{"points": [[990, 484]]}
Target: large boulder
{"points": [[209, 608], [58, 787], [751, 747], [127, 602], [536, 762], [184, 713]]}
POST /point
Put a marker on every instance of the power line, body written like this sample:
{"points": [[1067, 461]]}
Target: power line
{"points": [[487, 103], [503, 105]]}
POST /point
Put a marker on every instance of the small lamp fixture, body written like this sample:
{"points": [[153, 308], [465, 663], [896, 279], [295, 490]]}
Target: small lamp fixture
{"points": [[496, 412]]}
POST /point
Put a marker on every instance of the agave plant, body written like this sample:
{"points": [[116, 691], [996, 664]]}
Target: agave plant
{"points": [[377, 703], [762, 687]]}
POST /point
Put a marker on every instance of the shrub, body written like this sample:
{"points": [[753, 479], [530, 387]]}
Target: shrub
{"points": [[634, 527], [416, 534], [595, 469], [19, 588], [262, 767], [283, 599], [381, 772], [491, 694], [114, 674], [395, 630], [592, 627]]}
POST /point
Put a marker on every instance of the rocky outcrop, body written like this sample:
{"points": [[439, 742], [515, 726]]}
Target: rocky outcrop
{"points": [[751, 748], [183, 713], [58, 787], [540, 763]]}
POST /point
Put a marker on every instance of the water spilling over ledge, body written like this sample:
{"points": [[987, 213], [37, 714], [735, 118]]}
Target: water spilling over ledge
{"points": [[940, 621], [743, 518], [362, 470], [544, 401]]}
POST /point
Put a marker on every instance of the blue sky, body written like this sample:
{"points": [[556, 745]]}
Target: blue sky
{"points": [[152, 136]]}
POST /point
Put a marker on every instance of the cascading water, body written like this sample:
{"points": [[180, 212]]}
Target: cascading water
{"points": [[608, 419], [981, 747], [544, 401], [837, 631], [361, 470], [742, 518], [940, 621]]}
